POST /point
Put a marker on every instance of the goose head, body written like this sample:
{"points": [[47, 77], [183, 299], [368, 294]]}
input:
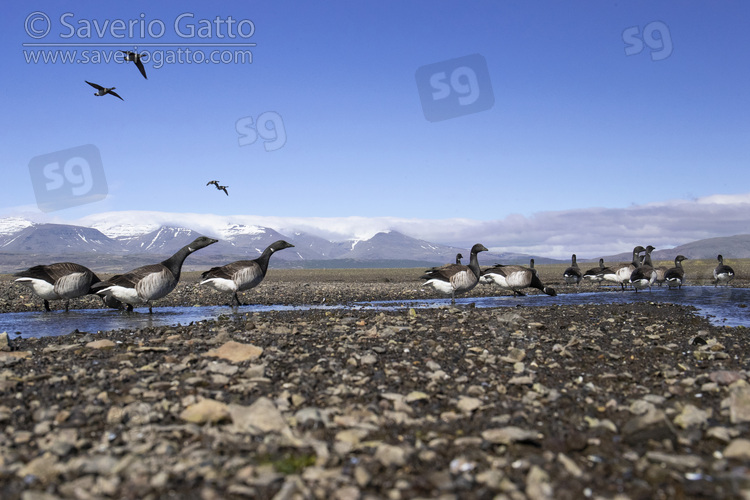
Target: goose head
{"points": [[201, 242], [280, 245], [478, 248]]}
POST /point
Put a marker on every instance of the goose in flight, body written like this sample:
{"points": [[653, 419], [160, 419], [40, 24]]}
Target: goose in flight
{"points": [[104, 90]]}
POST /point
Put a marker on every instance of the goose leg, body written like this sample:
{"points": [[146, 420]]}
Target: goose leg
{"points": [[67, 305], [46, 305], [129, 308]]}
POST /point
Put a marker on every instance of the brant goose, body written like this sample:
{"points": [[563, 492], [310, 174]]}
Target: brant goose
{"points": [[572, 275], [104, 90], [458, 258], [136, 58], [644, 275], [596, 274], [515, 278], [722, 272], [62, 280], [622, 272], [242, 274], [151, 282], [220, 188], [675, 275], [455, 278]]}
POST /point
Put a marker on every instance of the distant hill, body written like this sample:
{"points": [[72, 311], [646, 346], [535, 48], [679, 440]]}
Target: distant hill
{"points": [[116, 248], [731, 247]]}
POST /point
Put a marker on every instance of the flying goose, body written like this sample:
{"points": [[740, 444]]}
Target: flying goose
{"points": [[104, 90], [516, 278], [722, 273], [62, 280], [622, 272], [675, 275], [455, 278], [644, 275], [572, 275], [136, 58], [219, 187], [151, 282], [242, 274]]}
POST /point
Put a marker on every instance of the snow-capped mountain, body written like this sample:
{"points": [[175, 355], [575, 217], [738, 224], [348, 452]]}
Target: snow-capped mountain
{"points": [[12, 225], [60, 239]]}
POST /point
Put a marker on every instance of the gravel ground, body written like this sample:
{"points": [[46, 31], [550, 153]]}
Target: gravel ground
{"points": [[636, 401]]}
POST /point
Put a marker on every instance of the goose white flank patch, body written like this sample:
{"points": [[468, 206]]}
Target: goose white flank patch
{"points": [[148, 283], [104, 90], [59, 281], [644, 275], [242, 274], [136, 58], [516, 278], [722, 273], [572, 275], [675, 275], [455, 278]]}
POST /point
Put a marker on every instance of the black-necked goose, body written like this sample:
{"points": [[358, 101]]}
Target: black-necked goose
{"points": [[218, 186], [572, 275], [516, 278], [455, 278], [136, 58], [722, 273], [62, 280], [644, 275], [242, 274], [104, 90], [622, 272], [675, 275], [596, 274], [148, 283], [458, 258]]}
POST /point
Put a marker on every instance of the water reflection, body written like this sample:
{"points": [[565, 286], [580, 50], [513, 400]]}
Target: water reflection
{"points": [[722, 306]]}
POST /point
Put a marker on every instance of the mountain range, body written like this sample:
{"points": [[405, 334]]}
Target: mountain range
{"points": [[113, 248]]}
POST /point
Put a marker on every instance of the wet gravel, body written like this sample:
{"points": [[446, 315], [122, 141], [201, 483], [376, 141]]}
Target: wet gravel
{"points": [[635, 401]]}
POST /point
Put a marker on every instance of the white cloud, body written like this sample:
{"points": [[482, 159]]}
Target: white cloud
{"points": [[589, 232]]}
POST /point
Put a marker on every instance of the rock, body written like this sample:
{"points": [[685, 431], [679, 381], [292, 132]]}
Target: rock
{"points": [[468, 405], [259, 418], [738, 449], [389, 455], [4, 342], [236, 352], [101, 344], [508, 435], [538, 486], [652, 425], [739, 404], [691, 416], [206, 410], [44, 469]]}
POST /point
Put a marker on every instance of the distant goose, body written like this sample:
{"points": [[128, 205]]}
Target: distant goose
{"points": [[622, 272], [242, 274], [596, 274], [572, 275], [62, 280], [644, 275], [531, 266], [151, 282], [660, 272], [458, 258], [675, 275], [104, 90], [516, 278], [136, 58], [722, 273], [455, 278]]}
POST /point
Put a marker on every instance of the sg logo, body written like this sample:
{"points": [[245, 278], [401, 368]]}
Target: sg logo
{"points": [[68, 178], [269, 126], [455, 87], [661, 45]]}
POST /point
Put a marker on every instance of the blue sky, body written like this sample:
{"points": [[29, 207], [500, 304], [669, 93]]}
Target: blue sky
{"points": [[595, 104]]}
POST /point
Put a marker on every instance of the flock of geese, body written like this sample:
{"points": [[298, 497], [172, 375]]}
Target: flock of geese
{"points": [[143, 285], [640, 273]]}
